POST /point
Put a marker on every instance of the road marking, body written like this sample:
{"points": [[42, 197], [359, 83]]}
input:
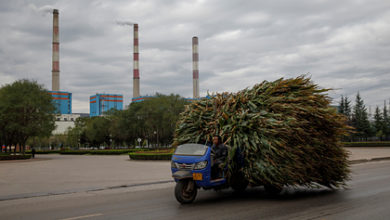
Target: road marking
{"points": [[83, 216]]}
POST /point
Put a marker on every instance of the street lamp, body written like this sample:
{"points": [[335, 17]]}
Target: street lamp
{"points": [[156, 134]]}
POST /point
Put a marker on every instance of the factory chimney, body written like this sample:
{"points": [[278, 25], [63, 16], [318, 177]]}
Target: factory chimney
{"points": [[56, 54], [136, 92], [195, 67]]}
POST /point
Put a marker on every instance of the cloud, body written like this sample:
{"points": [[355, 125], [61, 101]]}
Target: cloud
{"points": [[344, 45]]}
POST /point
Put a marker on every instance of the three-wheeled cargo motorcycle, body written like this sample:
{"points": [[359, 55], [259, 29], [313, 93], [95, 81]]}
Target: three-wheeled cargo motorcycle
{"points": [[191, 169]]}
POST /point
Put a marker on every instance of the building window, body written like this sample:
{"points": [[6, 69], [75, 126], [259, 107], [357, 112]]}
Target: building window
{"points": [[65, 119], [58, 119], [71, 119]]}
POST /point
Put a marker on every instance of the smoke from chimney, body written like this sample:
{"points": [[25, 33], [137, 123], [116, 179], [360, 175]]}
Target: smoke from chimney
{"points": [[47, 9], [124, 23], [44, 10], [195, 67], [56, 54]]}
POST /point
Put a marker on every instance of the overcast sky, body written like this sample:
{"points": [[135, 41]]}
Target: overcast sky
{"points": [[343, 45]]}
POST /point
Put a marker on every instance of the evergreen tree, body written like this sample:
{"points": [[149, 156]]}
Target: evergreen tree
{"points": [[342, 106], [386, 122], [360, 119], [347, 108], [378, 123]]}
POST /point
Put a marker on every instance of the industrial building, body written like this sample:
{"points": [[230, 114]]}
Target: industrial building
{"points": [[66, 121], [101, 103], [62, 102], [141, 98]]}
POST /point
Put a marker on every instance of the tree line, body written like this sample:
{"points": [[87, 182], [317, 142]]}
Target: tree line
{"points": [[148, 123], [27, 118], [364, 128]]}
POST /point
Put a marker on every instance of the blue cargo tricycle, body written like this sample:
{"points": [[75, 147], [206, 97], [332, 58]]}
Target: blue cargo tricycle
{"points": [[191, 168]]}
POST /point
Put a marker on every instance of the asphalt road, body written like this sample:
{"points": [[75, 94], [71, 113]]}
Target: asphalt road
{"points": [[367, 197]]}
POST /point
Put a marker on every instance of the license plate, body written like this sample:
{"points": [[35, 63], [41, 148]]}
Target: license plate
{"points": [[197, 176]]}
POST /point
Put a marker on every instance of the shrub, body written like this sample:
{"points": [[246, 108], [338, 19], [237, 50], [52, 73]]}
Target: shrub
{"points": [[74, 152], [14, 157], [105, 152], [44, 152], [367, 144], [150, 156], [141, 149], [99, 152]]}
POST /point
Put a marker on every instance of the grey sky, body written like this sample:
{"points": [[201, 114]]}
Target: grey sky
{"points": [[342, 44]]}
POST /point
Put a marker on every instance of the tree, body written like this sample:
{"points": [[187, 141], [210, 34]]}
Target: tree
{"points": [[97, 131], [386, 122], [347, 108], [73, 136], [342, 105], [153, 120], [26, 110], [360, 119], [378, 123]]}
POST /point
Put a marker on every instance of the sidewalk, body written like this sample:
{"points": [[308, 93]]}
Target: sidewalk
{"points": [[59, 174], [361, 154], [64, 174]]}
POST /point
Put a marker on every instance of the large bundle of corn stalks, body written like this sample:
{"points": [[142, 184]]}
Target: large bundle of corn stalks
{"points": [[286, 130]]}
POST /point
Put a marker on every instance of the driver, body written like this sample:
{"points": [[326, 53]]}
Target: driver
{"points": [[220, 154]]}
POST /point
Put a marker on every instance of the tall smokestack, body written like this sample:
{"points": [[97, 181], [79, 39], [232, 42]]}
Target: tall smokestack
{"points": [[136, 92], [56, 54], [195, 67]]}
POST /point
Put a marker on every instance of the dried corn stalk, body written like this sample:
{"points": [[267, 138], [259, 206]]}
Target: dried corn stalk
{"points": [[286, 129]]}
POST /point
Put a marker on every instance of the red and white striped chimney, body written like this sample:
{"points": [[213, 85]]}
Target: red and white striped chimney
{"points": [[195, 67], [136, 92], [55, 83]]}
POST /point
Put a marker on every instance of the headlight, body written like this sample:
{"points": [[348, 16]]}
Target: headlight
{"points": [[173, 164], [200, 165]]}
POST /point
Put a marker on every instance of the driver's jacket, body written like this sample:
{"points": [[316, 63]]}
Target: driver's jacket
{"points": [[220, 153]]}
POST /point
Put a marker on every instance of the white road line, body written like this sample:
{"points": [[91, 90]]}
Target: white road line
{"points": [[83, 216]]}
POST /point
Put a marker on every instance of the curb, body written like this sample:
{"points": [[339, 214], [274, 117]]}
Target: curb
{"points": [[369, 160]]}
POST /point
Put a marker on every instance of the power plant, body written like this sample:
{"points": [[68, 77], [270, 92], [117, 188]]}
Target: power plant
{"points": [[101, 103], [62, 100]]}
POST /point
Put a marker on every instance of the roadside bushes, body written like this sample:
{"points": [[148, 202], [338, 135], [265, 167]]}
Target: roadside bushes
{"points": [[155, 154], [14, 157], [95, 152], [150, 156], [367, 144], [44, 152], [103, 152]]}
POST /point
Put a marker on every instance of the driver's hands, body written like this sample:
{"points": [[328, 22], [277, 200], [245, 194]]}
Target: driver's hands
{"points": [[221, 165]]}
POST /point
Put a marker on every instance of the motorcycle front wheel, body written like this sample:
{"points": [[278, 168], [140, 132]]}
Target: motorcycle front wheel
{"points": [[185, 191]]}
